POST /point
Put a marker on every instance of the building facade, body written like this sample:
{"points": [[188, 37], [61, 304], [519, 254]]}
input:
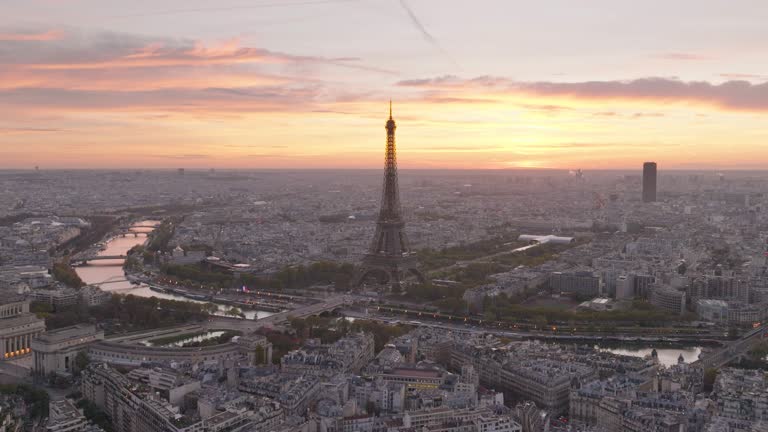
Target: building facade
{"points": [[55, 351], [18, 327], [668, 299], [583, 283]]}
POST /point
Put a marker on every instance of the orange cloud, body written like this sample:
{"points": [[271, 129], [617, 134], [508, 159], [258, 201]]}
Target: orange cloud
{"points": [[122, 100], [155, 55], [15, 77], [729, 95], [121, 72], [49, 35], [15, 131]]}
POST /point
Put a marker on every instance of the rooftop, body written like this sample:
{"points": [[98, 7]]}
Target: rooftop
{"points": [[67, 333]]}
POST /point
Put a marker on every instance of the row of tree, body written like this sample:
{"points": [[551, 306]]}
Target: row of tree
{"points": [[160, 238], [431, 259], [67, 275], [129, 313], [293, 277], [505, 308]]}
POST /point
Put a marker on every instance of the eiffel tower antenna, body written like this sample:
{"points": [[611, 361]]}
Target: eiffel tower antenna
{"points": [[389, 254]]}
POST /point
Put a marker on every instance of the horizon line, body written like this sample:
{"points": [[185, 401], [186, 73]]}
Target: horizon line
{"points": [[216, 169]]}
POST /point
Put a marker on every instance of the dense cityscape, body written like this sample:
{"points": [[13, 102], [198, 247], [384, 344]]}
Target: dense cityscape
{"points": [[383, 216], [499, 301]]}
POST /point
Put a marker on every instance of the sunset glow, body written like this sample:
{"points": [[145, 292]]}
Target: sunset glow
{"points": [[307, 86]]}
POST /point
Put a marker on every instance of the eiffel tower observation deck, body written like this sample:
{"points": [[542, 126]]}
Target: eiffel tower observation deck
{"points": [[389, 259]]}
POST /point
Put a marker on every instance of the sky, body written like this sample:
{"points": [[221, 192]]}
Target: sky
{"points": [[481, 84]]}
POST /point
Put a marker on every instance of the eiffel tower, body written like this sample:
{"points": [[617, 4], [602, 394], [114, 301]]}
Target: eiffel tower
{"points": [[389, 256]]}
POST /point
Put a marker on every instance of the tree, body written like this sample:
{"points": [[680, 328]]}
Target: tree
{"points": [[92, 412], [259, 355], [81, 361], [710, 375], [40, 307], [371, 408], [65, 274], [452, 305], [540, 321], [36, 398], [297, 324]]}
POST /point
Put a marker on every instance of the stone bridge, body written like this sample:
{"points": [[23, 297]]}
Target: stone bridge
{"points": [[733, 350]]}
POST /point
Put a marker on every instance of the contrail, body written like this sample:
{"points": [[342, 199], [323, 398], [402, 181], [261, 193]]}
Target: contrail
{"points": [[424, 33]]}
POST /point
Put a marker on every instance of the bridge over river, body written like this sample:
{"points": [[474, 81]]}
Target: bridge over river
{"points": [[733, 350], [86, 260], [246, 325]]}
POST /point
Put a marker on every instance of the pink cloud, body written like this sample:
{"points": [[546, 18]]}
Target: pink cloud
{"points": [[730, 95], [127, 51]]}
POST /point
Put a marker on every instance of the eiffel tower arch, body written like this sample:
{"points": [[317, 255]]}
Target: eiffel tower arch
{"points": [[389, 256]]}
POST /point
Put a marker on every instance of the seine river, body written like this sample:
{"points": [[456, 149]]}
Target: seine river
{"points": [[108, 274], [667, 356]]}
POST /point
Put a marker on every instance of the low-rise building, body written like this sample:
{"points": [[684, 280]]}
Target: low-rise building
{"points": [[414, 377], [167, 383], [349, 354], [294, 393], [64, 416]]}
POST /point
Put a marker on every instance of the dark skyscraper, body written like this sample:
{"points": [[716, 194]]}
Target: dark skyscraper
{"points": [[649, 182], [389, 257]]}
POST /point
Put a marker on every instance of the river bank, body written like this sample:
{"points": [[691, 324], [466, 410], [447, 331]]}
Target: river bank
{"points": [[110, 276]]}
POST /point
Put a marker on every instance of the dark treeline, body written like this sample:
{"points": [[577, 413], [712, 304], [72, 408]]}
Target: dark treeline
{"points": [[65, 274], [129, 313], [322, 272], [450, 298], [294, 277], [505, 308], [100, 227], [12, 219], [36, 398], [162, 235], [431, 259]]}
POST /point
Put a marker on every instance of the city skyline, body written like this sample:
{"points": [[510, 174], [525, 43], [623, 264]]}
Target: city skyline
{"points": [[304, 84]]}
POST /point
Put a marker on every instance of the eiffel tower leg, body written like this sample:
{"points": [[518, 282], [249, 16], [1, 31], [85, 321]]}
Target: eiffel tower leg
{"points": [[419, 276], [363, 271], [394, 280], [357, 278]]}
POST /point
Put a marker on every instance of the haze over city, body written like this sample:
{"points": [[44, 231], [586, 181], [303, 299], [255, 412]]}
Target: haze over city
{"points": [[383, 216], [303, 84]]}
